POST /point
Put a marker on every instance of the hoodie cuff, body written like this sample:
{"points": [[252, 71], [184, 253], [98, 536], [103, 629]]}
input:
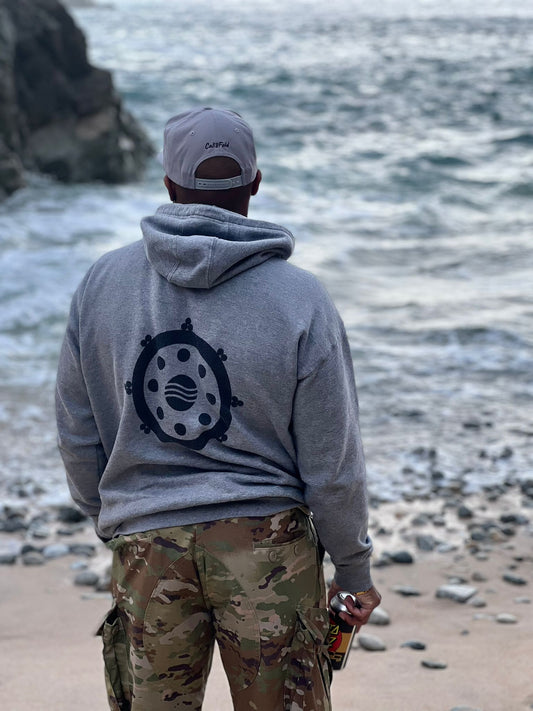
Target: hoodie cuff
{"points": [[354, 581]]}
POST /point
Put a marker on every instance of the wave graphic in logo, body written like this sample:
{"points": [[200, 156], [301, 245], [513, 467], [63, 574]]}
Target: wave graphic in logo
{"points": [[181, 392]]}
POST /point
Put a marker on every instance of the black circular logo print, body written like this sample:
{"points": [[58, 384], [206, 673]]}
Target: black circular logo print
{"points": [[181, 389]]}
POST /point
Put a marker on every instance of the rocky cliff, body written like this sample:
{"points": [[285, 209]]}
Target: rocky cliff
{"points": [[58, 114]]}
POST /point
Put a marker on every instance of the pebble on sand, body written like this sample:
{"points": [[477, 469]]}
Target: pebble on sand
{"points": [[458, 593], [406, 590], [414, 644], [432, 664], [379, 616], [506, 618], [514, 579], [371, 643]]}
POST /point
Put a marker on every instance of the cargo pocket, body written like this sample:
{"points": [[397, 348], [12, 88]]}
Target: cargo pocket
{"points": [[115, 652], [307, 667]]}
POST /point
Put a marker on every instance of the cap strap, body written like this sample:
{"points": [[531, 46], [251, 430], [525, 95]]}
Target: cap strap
{"points": [[222, 184]]}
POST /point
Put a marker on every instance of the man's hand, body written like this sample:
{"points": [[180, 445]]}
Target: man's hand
{"points": [[360, 612]]}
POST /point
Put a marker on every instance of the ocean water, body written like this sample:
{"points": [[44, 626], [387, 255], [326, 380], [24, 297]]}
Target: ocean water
{"points": [[396, 143]]}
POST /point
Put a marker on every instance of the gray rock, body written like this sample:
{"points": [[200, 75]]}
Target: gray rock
{"points": [[86, 577], [505, 618], [516, 518], [433, 664], [86, 549], [58, 114], [9, 552], [402, 557], [56, 550], [463, 512], [40, 531], [457, 580], [70, 514], [371, 643], [33, 558], [514, 579], [458, 593], [406, 590], [13, 525], [426, 542], [479, 577], [79, 565], [523, 600], [477, 602], [446, 548], [464, 708], [379, 616], [414, 644]]}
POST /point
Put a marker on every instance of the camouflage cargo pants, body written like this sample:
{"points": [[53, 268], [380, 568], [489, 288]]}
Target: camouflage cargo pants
{"points": [[253, 584]]}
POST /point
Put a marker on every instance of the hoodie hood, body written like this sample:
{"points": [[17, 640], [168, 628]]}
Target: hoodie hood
{"points": [[201, 246]]}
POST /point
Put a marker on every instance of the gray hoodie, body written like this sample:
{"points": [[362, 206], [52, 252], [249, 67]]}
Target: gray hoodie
{"points": [[201, 377]]}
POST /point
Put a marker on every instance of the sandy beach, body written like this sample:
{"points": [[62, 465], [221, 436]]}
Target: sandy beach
{"points": [[51, 659]]}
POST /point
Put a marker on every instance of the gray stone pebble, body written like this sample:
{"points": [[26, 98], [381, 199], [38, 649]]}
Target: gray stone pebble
{"points": [[86, 549], [379, 616], [446, 548], [426, 542], [514, 579], [464, 708], [406, 590], [414, 644], [33, 558], [477, 602], [523, 600], [432, 664], [371, 643], [505, 618], [56, 550], [9, 552], [402, 557], [458, 593], [86, 577]]}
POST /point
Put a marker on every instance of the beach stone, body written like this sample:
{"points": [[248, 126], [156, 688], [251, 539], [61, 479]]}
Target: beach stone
{"points": [[414, 644], [70, 514], [458, 593], [479, 577], [382, 562], [379, 616], [477, 602], [463, 512], [517, 519], [9, 552], [86, 549], [523, 600], [406, 590], [371, 643], [446, 548], [426, 542], [457, 580], [79, 565], [439, 521], [514, 579], [71, 530], [464, 708], [482, 555], [505, 618], [86, 577], [13, 525], [402, 557], [56, 550], [33, 558], [433, 664], [40, 531], [104, 583], [420, 520]]}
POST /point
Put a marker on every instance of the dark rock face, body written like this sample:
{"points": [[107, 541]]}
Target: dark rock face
{"points": [[58, 114]]}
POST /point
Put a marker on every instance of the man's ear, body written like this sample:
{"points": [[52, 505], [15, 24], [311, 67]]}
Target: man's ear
{"points": [[256, 183], [171, 188]]}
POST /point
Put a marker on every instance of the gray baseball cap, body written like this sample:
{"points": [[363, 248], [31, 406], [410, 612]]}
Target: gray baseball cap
{"points": [[194, 136]]}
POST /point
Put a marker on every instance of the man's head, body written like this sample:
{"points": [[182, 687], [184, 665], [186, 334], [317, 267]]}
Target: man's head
{"points": [[209, 158]]}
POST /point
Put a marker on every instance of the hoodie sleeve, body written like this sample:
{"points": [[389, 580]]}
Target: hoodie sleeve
{"points": [[331, 462], [78, 438]]}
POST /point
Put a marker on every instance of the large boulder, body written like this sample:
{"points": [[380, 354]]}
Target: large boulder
{"points": [[58, 114]]}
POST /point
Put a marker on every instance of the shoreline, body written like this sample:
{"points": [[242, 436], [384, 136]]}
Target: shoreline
{"points": [[484, 643]]}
